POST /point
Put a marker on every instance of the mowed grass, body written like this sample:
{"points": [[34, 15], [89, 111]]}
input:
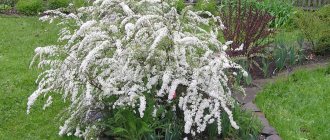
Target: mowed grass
{"points": [[299, 106], [19, 36]]}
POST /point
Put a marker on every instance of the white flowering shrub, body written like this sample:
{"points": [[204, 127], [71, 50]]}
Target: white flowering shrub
{"points": [[116, 52]]}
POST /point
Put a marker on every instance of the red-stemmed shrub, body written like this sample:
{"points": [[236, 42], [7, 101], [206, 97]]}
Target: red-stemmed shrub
{"points": [[248, 28]]}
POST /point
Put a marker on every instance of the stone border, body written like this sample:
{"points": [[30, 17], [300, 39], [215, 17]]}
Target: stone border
{"points": [[268, 132]]}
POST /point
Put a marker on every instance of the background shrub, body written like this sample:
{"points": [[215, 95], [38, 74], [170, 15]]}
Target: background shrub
{"points": [[324, 13], [29, 7], [316, 28], [323, 43], [55, 4]]}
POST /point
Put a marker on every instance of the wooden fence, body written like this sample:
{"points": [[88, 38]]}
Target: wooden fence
{"points": [[310, 4], [305, 4]]}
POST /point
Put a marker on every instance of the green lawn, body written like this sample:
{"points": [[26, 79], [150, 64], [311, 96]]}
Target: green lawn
{"points": [[18, 38], [299, 106]]}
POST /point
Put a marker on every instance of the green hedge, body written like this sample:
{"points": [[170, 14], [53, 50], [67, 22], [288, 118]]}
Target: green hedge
{"points": [[29, 7], [33, 7]]}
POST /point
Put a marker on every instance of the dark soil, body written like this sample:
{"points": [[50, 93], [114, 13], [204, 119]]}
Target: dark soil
{"points": [[12, 11]]}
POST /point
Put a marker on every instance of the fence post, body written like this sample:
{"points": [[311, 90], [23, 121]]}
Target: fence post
{"points": [[314, 3]]}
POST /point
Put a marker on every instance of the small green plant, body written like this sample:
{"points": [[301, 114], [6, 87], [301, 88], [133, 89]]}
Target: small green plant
{"points": [[286, 56], [292, 56], [300, 41], [281, 54], [179, 5], [288, 52], [55, 4], [300, 51], [122, 123], [127, 125], [29, 7], [265, 67]]}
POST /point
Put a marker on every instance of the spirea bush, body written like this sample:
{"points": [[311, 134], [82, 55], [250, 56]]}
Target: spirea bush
{"points": [[118, 53]]}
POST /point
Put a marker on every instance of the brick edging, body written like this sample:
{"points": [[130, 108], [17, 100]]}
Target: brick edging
{"points": [[268, 132]]}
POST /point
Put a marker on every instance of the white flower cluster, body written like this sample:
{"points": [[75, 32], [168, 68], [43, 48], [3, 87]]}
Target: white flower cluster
{"points": [[126, 48]]}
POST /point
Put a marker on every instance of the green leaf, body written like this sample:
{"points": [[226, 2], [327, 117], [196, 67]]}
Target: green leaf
{"points": [[119, 130]]}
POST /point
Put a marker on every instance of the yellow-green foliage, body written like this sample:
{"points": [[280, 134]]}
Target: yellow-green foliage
{"points": [[324, 13], [316, 28]]}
